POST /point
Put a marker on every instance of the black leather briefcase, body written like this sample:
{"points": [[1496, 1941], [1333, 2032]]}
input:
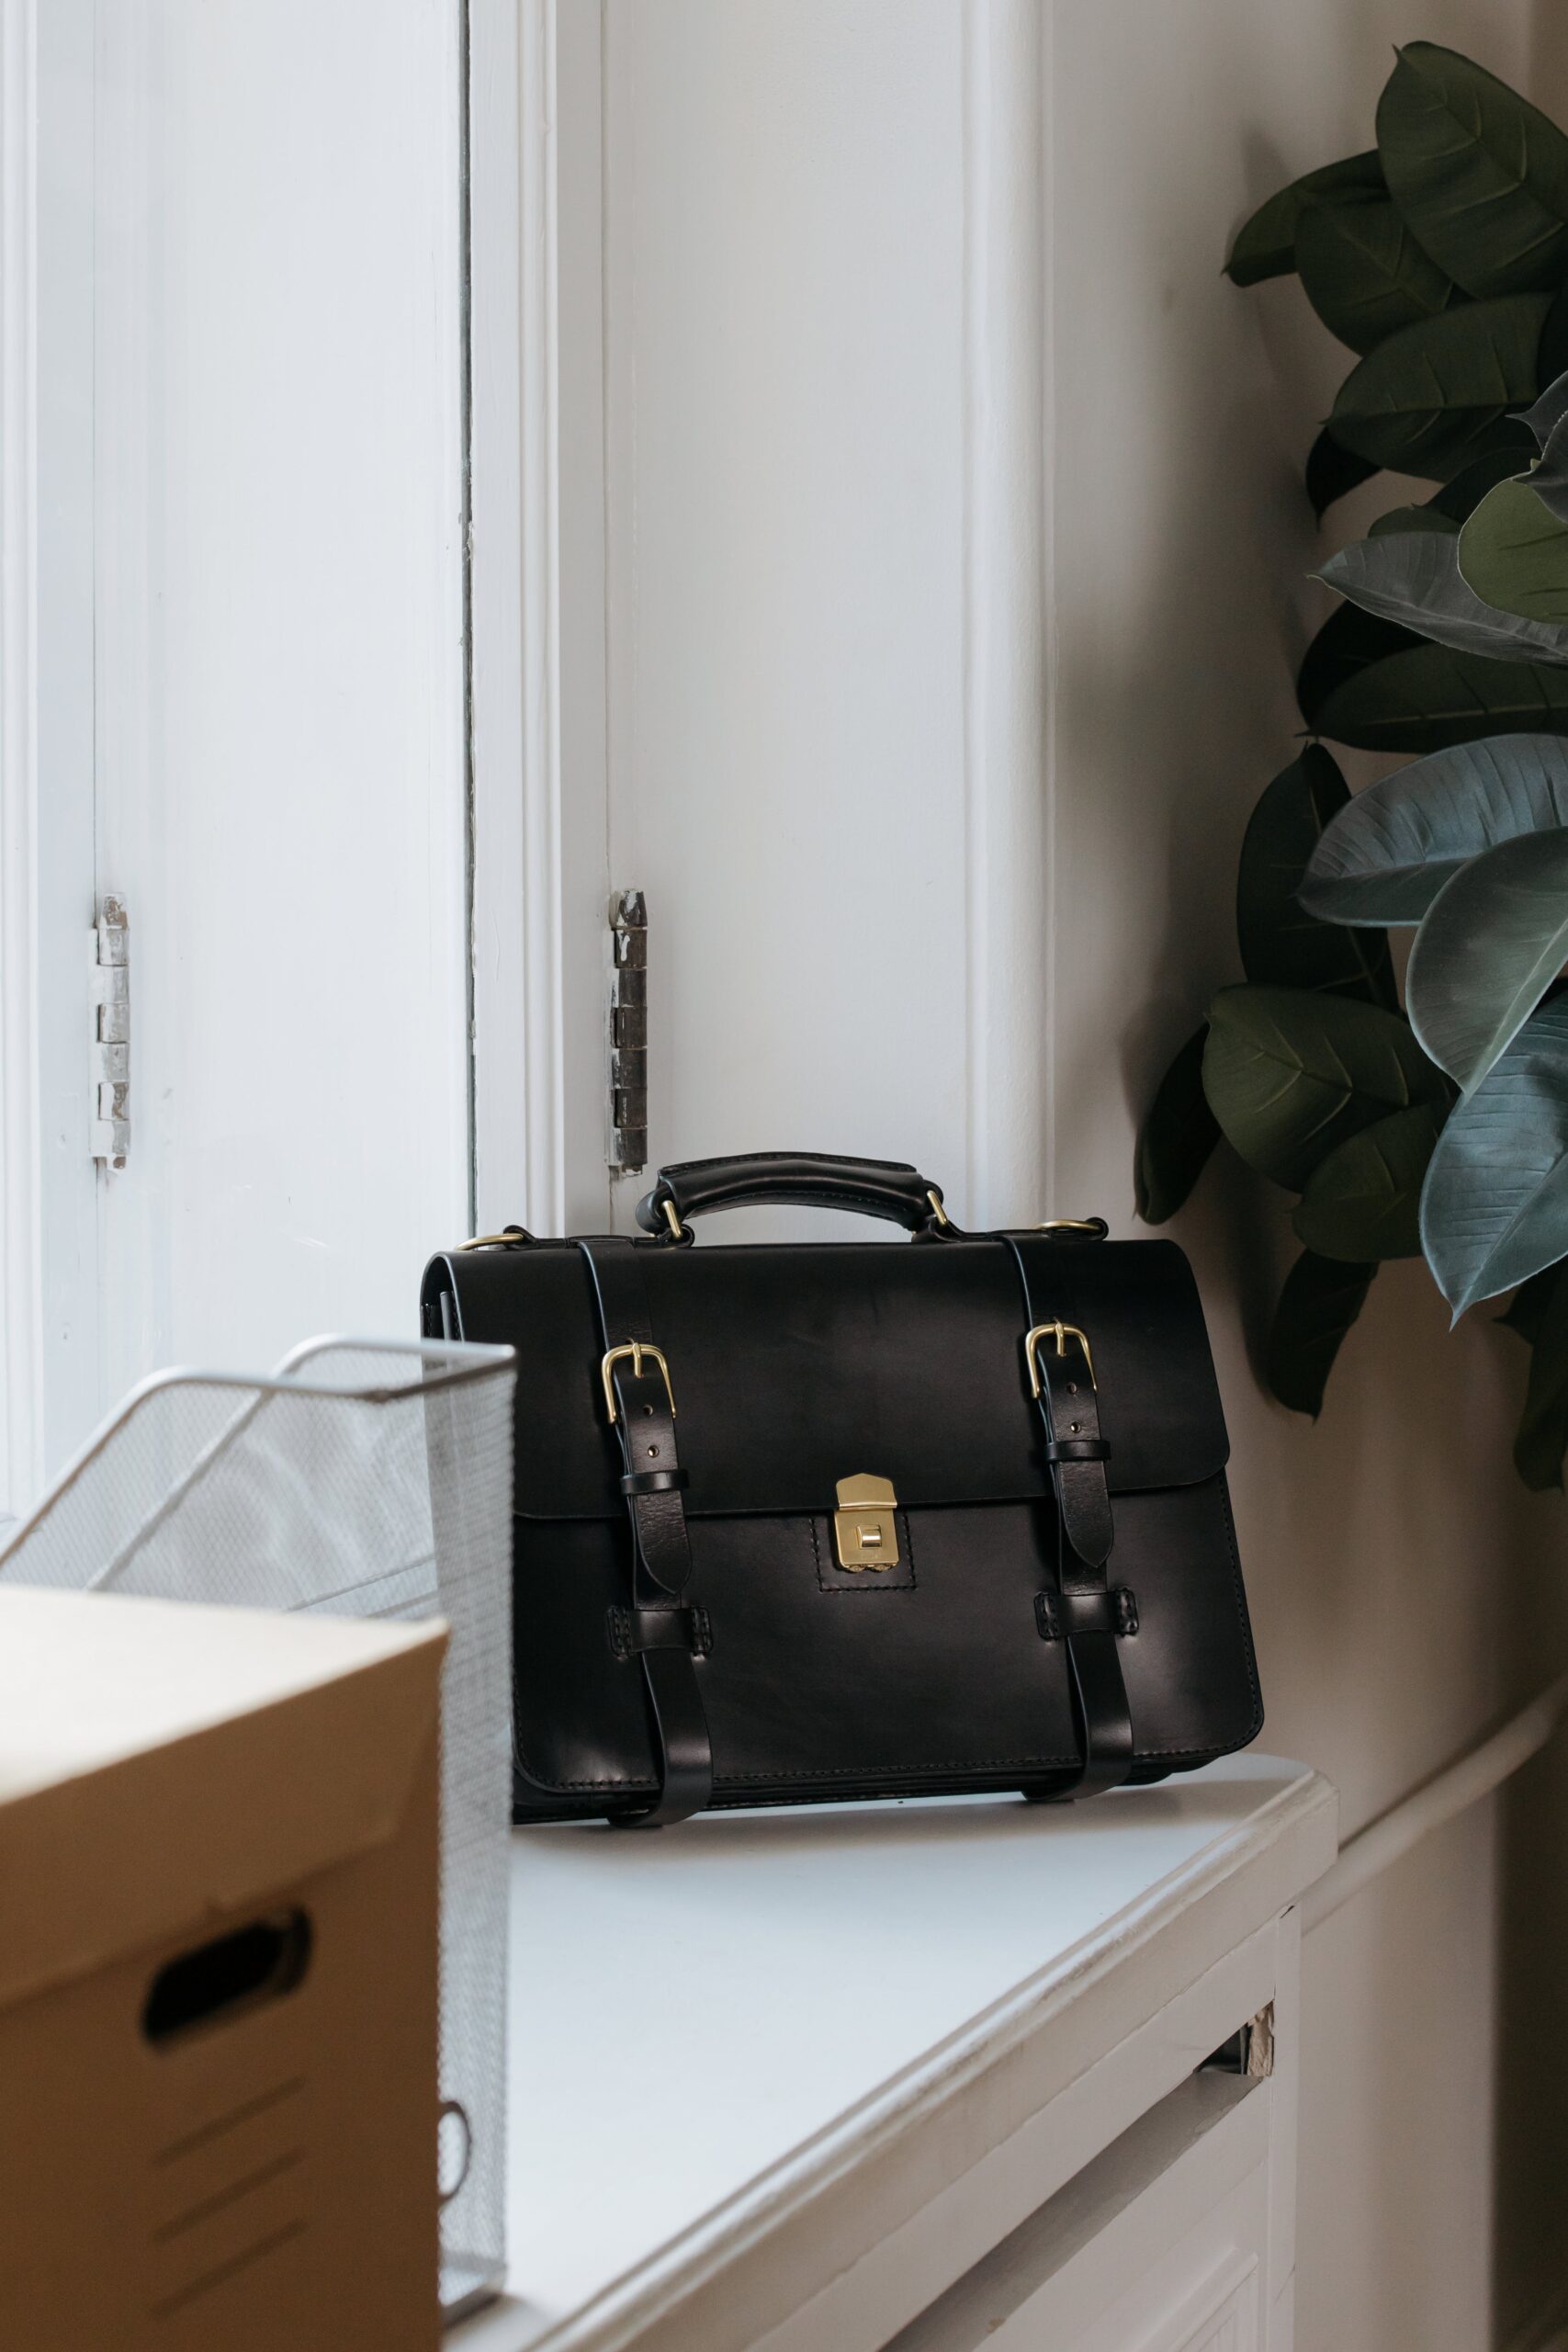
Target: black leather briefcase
{"points": [[846, 1519]]}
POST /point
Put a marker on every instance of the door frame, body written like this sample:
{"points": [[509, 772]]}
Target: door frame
{"points": [[539, 857], [49, 1184]]}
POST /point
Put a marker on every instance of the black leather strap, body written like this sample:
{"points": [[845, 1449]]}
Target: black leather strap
{"points": [[1084, 1615], [661, 1557]]}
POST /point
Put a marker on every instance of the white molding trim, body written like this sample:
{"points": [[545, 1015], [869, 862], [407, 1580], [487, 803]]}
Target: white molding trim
{"points": [[518, 1034], [1437, 1801], [21, 1302], [1007, 810]]}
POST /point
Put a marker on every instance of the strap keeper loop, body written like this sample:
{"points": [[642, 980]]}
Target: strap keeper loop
{"points": [[653, 1482], [1061, 1615], [633, 1631], [1077, 1449]]}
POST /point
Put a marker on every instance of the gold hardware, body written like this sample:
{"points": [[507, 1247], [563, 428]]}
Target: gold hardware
{"points": [[510, 1241], [636, 1350], [1061, 1333], [672, 1219], [863, 1526], [1070, 1225], [935, 1199]]}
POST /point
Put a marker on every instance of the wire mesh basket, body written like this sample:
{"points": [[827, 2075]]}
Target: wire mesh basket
{"points": [[361, 1478]]}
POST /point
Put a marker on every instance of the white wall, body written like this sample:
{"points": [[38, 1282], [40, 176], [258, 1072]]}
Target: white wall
{"points": [[883, 370]]}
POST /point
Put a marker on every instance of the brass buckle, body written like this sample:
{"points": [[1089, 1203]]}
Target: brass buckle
{"points": [[636, 1350], [864, 1529], [1061, 1333]]}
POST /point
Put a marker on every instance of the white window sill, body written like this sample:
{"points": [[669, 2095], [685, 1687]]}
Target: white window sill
{"points": [[747, 2052]]}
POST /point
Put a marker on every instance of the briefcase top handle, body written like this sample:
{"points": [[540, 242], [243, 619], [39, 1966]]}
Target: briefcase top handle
{"points": [[817, 1180], [887, 1188]]}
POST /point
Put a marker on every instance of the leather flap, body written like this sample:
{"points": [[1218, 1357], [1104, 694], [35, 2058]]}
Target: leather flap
{"points": [[795, 1366]]}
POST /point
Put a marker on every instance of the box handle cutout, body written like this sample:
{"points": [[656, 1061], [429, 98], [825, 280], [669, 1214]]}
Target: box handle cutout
{"points": [[453, 2149], [219, 1980]]}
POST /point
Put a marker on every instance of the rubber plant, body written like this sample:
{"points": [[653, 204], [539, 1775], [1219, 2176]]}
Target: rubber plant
{"points": [[1436, 1125]]}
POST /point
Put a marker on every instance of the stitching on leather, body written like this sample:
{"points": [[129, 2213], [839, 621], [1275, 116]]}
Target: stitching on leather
{"points": [[873, 1584]]}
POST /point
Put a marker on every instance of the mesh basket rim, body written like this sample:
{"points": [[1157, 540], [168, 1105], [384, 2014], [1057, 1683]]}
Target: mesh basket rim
{"points": [[480, 1361]]}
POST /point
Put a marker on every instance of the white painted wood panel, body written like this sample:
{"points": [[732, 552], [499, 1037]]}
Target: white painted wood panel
{"points": [[278, 716]]}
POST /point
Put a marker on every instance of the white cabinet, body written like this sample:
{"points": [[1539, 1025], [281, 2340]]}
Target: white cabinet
{"points": [[925, 2076], [1161, 2245]]}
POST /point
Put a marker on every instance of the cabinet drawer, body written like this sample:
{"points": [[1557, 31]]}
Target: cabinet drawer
{"points": [[1158, 2246]]}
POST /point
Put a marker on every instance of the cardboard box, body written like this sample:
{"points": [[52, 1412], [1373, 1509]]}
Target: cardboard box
{"points": [[218, 1979]]}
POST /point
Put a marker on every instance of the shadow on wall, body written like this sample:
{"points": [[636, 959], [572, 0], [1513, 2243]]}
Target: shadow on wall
{"points": [[1530, 2200]]}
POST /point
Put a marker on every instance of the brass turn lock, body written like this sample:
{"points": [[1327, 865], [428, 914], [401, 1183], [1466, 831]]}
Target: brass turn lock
{"points": [[863, 1526]]}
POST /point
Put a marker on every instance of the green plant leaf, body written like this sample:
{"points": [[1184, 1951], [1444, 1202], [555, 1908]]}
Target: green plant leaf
{"points": [[1553, 358], [1363, 1201], [1384, 859], [1513, 553], [1320, 1299], [1480, 174], [1412, 519], [1549, 480], [1178, 1133], [1364, 273], [1414, 578], [1542, 1436], [1494, 1207], [1290, 1074], [1490, 946], [1349, 640], [1427, 697], [1280, 942], [1427, 400], [1456, 500], [1460, 496], [1331, 472], [1265, 244], [1508, 439], [1551, 410], [1548, 422]]}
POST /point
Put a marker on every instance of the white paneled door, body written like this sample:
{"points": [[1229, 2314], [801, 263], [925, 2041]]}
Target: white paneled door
{"points": [[249, 259]]}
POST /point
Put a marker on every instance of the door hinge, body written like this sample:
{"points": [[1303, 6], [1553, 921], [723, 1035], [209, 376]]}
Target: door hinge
{"points": [[109, 1038], [629, 1031]]}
